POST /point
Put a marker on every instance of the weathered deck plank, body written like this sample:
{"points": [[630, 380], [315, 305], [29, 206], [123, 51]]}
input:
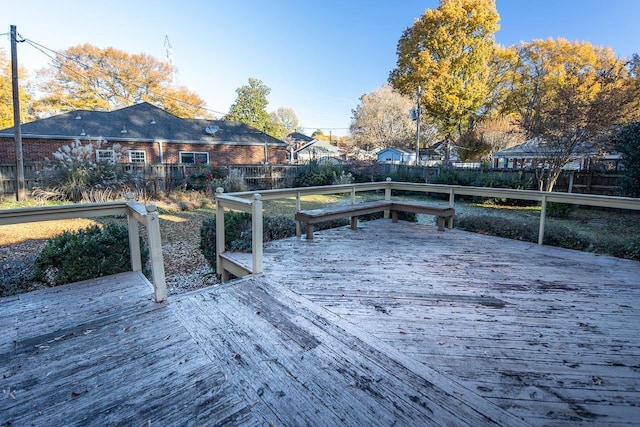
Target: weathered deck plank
{"points": [[297, 359], [549, 335], [79, 359], [387, 324]]}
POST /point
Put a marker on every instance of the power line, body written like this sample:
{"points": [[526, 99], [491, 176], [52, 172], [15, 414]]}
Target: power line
{"points": [[54, 56], [57, 62]]}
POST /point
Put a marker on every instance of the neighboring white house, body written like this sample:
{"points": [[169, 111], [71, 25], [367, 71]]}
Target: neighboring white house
{"points": [[321, 151], [396, 156]]}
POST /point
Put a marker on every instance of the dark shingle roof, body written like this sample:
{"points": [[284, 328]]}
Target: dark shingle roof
{"points": [[142, 122], [300, 137]]}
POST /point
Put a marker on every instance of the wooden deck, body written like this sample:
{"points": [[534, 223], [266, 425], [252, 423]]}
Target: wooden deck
{"points": [[390, 324]]}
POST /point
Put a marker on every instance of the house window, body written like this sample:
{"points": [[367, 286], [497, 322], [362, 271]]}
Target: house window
{"points": [[194, 157], [137, 157], [108, 156]]}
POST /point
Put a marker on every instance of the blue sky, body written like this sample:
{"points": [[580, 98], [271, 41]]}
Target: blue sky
{"points": [[317, 56]]}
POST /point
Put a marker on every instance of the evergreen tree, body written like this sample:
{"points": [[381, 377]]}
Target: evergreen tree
{"points": [[250, 108]]}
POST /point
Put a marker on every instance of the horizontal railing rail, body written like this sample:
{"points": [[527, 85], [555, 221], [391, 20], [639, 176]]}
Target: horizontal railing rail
{"points": [[136, 214], [232, 201], [225, 265]]}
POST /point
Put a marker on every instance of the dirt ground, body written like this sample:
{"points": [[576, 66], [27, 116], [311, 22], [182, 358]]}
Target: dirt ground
{"points": [[185, 267]]}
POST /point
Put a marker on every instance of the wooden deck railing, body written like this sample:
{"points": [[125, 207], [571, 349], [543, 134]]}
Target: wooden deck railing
{"points": [[225, 265], [239, 201], [136, 214]]}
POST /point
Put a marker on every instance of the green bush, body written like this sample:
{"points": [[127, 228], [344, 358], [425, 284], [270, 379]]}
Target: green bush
{"points": [[16, 276], [628, 145], [315, 174], [558, 210], [556, 234], [205, 177], [237, 231], [492, 225], [483, 179], [408, 174], [86, 254]]}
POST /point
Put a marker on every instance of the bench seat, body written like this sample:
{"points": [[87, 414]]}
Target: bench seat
{"points": [[441, 213], [314, 216]]}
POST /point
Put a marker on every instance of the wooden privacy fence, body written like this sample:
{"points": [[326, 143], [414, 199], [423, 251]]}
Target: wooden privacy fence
{"points": [[606, 183], [252, 202], [167, 177], [136, 214], [163, 177]]}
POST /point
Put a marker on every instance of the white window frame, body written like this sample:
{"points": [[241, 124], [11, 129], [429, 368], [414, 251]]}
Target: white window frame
{"points": [[108, 156], [142, 159], [194, 154]]}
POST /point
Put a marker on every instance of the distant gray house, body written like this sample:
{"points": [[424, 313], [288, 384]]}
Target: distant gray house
{"points": [[148, 134], [534, 152], [306, 148]]}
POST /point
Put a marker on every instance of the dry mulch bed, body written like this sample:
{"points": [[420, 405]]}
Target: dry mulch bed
{"points": [[185, 267]]}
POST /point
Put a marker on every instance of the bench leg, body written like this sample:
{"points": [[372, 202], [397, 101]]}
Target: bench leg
{"points": [[354, 222], [309, 231], [394, 216], [441, 220]]}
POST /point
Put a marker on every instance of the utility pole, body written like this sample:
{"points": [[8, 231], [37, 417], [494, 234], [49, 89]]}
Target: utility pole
{"points": [[20, 187], [418, 128]]}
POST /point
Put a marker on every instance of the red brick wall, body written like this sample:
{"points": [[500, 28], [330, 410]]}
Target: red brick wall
{"points": [[37, 150]]}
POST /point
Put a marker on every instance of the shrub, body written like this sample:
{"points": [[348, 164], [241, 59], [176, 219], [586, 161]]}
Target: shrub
{"points": [[86, 254], [559, 210], [407, 174], [517, 229], [628, 144], [343, 178], [556, 234], [315, 174], [205, 177], [237, 231], [234, 182], [75, 175], [17, 276], [565, 237]]}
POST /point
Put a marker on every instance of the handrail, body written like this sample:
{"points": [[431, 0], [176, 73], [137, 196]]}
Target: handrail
{"points": [[233, 201], [136, 213], [49, 213], [226, 265]]}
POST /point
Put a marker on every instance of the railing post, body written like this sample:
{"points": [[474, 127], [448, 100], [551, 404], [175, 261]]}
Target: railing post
{"points": [[220, 239], [257, 237], [452, 202], [155, 253], [298, 208], [134, 237], [543, 215], [387, 195]]}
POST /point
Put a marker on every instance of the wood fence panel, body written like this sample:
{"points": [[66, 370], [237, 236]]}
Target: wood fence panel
{"points": [[168, 177]]}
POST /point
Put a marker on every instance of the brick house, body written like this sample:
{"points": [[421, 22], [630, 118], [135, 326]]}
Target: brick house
{"points": [[147, 134]]}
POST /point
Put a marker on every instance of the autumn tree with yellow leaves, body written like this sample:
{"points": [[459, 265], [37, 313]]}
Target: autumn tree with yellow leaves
{"points": [[6, 93], [86, 77], [569, 95], [447, 53]]}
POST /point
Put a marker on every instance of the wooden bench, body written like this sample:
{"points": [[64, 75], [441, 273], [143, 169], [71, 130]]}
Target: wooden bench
{"points": [[441, 213], [314, 216]]}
